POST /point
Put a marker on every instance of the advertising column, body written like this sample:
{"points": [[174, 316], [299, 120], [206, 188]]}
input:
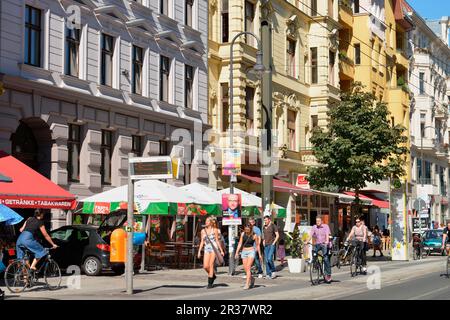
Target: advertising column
{"points": [[399, 226]]}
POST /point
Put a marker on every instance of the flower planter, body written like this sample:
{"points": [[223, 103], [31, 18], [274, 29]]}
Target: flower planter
{"points": [[296, 265]]}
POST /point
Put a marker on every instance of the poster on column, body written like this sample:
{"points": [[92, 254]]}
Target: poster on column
{"points": [[399, 244]]}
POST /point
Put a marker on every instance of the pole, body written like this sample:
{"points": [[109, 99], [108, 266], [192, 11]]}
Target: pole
{"points": [[266, 91], [129, 259], [144, 225]]}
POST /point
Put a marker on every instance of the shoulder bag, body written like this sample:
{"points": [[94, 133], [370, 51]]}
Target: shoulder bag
{"points": [[219, 258]]}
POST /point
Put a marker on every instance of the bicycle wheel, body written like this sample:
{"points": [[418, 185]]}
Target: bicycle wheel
{"points": [[314, 272], [17, 277], [52, 275], [354, 265]]}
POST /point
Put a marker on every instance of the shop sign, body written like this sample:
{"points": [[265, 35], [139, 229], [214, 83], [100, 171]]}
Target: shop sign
{"points": [[302, 181]]}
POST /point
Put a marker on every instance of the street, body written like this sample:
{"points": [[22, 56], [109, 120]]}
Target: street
{"points": [[420, 280]]}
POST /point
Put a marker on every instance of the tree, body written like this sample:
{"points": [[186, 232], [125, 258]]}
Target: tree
{"points": [[360, 145]]}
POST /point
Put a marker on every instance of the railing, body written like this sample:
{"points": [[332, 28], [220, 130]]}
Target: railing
{"points": [[345, 4]]}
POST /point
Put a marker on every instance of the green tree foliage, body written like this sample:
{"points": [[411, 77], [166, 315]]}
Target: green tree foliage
{"points": [[360, 144]]}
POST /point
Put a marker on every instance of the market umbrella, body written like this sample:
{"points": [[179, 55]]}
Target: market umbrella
{"points": [[252, 204], [150, 197], [9, 216], [206, 200]]}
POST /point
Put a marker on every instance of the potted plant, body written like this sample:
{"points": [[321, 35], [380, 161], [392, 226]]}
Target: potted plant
{"points": [[296, 263]]}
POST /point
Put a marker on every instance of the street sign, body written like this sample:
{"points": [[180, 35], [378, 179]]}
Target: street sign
{"points": [[231, 162], [151, 168], [416, 224], [419, 204]]}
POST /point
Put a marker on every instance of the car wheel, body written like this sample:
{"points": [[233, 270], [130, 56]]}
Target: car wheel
{"points": [[92, 266], [118, 269]]}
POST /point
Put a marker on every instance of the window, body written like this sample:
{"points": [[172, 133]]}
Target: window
{"points": [[356, 6], [72, 51], [136, 145], [357, 53], [249, 105], [314, 121], [225, 22], [164, 75], [421, 83], [313, 8], [74, 148], [331, 62], [107, 60], [249, 17], [225, 107], [163, 148], [164, 7], [188, 9], [106, 148], [314, 69], [138, 61], [32, 36], [422, 124], [188, 87], [292, 117], [291, 46]]}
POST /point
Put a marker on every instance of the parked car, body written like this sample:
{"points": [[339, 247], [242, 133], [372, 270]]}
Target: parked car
{"points": [[83, 246], [432, 241]]}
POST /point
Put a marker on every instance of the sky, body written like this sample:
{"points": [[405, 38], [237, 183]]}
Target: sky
{"points": [[431, 9]]}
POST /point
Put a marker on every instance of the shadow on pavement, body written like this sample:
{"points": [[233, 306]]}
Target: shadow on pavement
{"points": [[378, 258], [171, 286]]}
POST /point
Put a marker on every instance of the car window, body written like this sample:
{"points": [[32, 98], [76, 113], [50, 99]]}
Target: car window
{"points": [[82, 235], [62, 235]]}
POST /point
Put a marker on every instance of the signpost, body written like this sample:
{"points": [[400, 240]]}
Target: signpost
{"points": [[151, 168]]}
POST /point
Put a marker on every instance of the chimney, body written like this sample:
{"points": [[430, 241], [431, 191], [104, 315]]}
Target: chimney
{"points": [[445, 23]]}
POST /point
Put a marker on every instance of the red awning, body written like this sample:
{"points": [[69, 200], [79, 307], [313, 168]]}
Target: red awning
{"points": [[278, 185], [30, 189], [375, 201]]}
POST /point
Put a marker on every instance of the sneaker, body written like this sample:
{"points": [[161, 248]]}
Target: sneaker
{"points": [[273, 276], [246, 287], [260, 276], [328, 279], [268, 277], [244, 276]]}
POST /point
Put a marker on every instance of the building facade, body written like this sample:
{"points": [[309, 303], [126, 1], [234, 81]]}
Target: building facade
{"points": [[304, 81], [86, 82], [429, 117]]}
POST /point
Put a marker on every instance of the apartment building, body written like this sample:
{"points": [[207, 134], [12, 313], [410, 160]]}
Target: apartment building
{"points": [[86, 82]]}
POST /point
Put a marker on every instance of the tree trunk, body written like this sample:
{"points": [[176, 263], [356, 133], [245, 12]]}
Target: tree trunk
{"points": [[356, 209]]}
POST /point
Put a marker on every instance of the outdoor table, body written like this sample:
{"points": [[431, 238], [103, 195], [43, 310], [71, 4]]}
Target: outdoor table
{"points": [[182, 249]]}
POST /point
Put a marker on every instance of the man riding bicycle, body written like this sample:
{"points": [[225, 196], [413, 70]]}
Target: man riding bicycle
{"points": [[359, 234], [321, 239], [28, 240], [446, 238]]}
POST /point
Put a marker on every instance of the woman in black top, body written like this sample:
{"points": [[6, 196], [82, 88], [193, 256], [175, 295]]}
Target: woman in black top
{"points": [[249, 242], [27, 238]]}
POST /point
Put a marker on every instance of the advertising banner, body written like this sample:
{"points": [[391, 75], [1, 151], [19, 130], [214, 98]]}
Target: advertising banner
{"points": [[231, 162], [399, 227], [232, 209]]}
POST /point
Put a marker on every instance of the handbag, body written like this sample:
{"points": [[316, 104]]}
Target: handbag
{"points": [[219, 258]]}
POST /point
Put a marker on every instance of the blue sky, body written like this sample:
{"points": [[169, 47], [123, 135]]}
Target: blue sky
{"points": [[431, 9]]}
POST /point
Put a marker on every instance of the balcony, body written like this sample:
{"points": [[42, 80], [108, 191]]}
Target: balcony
{"points": [[399, 95], [345, 13], [346, 67], [440, 111], [401, 58]]}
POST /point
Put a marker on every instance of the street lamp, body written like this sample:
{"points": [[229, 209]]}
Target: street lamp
{"points": [[259, 69]]}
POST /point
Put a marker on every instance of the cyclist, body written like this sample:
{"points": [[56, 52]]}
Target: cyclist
{"points": [[321, 237], [446, 238], [28, 235], [359, 232]]}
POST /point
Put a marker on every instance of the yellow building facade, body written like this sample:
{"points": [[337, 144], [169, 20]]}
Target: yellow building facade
{"points": [[305, 82]]}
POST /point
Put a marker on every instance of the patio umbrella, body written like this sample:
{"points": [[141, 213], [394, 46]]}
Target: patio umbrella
{"points": [[150, 197], [206, 200], [9, 216]]}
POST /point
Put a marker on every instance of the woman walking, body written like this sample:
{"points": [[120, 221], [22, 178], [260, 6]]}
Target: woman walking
{"points": [[247, 243], [211, 243], [377, 241]]}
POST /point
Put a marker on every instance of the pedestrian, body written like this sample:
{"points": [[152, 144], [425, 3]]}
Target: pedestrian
{"points": [[247, 242], [376, 241], [210, 242], [258, 257], [320, 235], [281, 251], [271, 236]]}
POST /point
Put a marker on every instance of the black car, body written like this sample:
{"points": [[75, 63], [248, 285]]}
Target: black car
{"points": [[83, 245]]}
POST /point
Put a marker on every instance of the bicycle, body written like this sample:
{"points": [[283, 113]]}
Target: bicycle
{"points": [[447, 264], [19, 276], [356, 262], [316, 267]]}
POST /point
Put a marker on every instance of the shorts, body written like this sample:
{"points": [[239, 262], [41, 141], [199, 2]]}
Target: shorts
{"points": [[245, 254], [208, 249], [27, 240]]}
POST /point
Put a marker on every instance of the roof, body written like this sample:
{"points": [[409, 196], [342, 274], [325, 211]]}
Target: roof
{"points": [[278, 185], [375, 201], [30, 189], [435, 26]]}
